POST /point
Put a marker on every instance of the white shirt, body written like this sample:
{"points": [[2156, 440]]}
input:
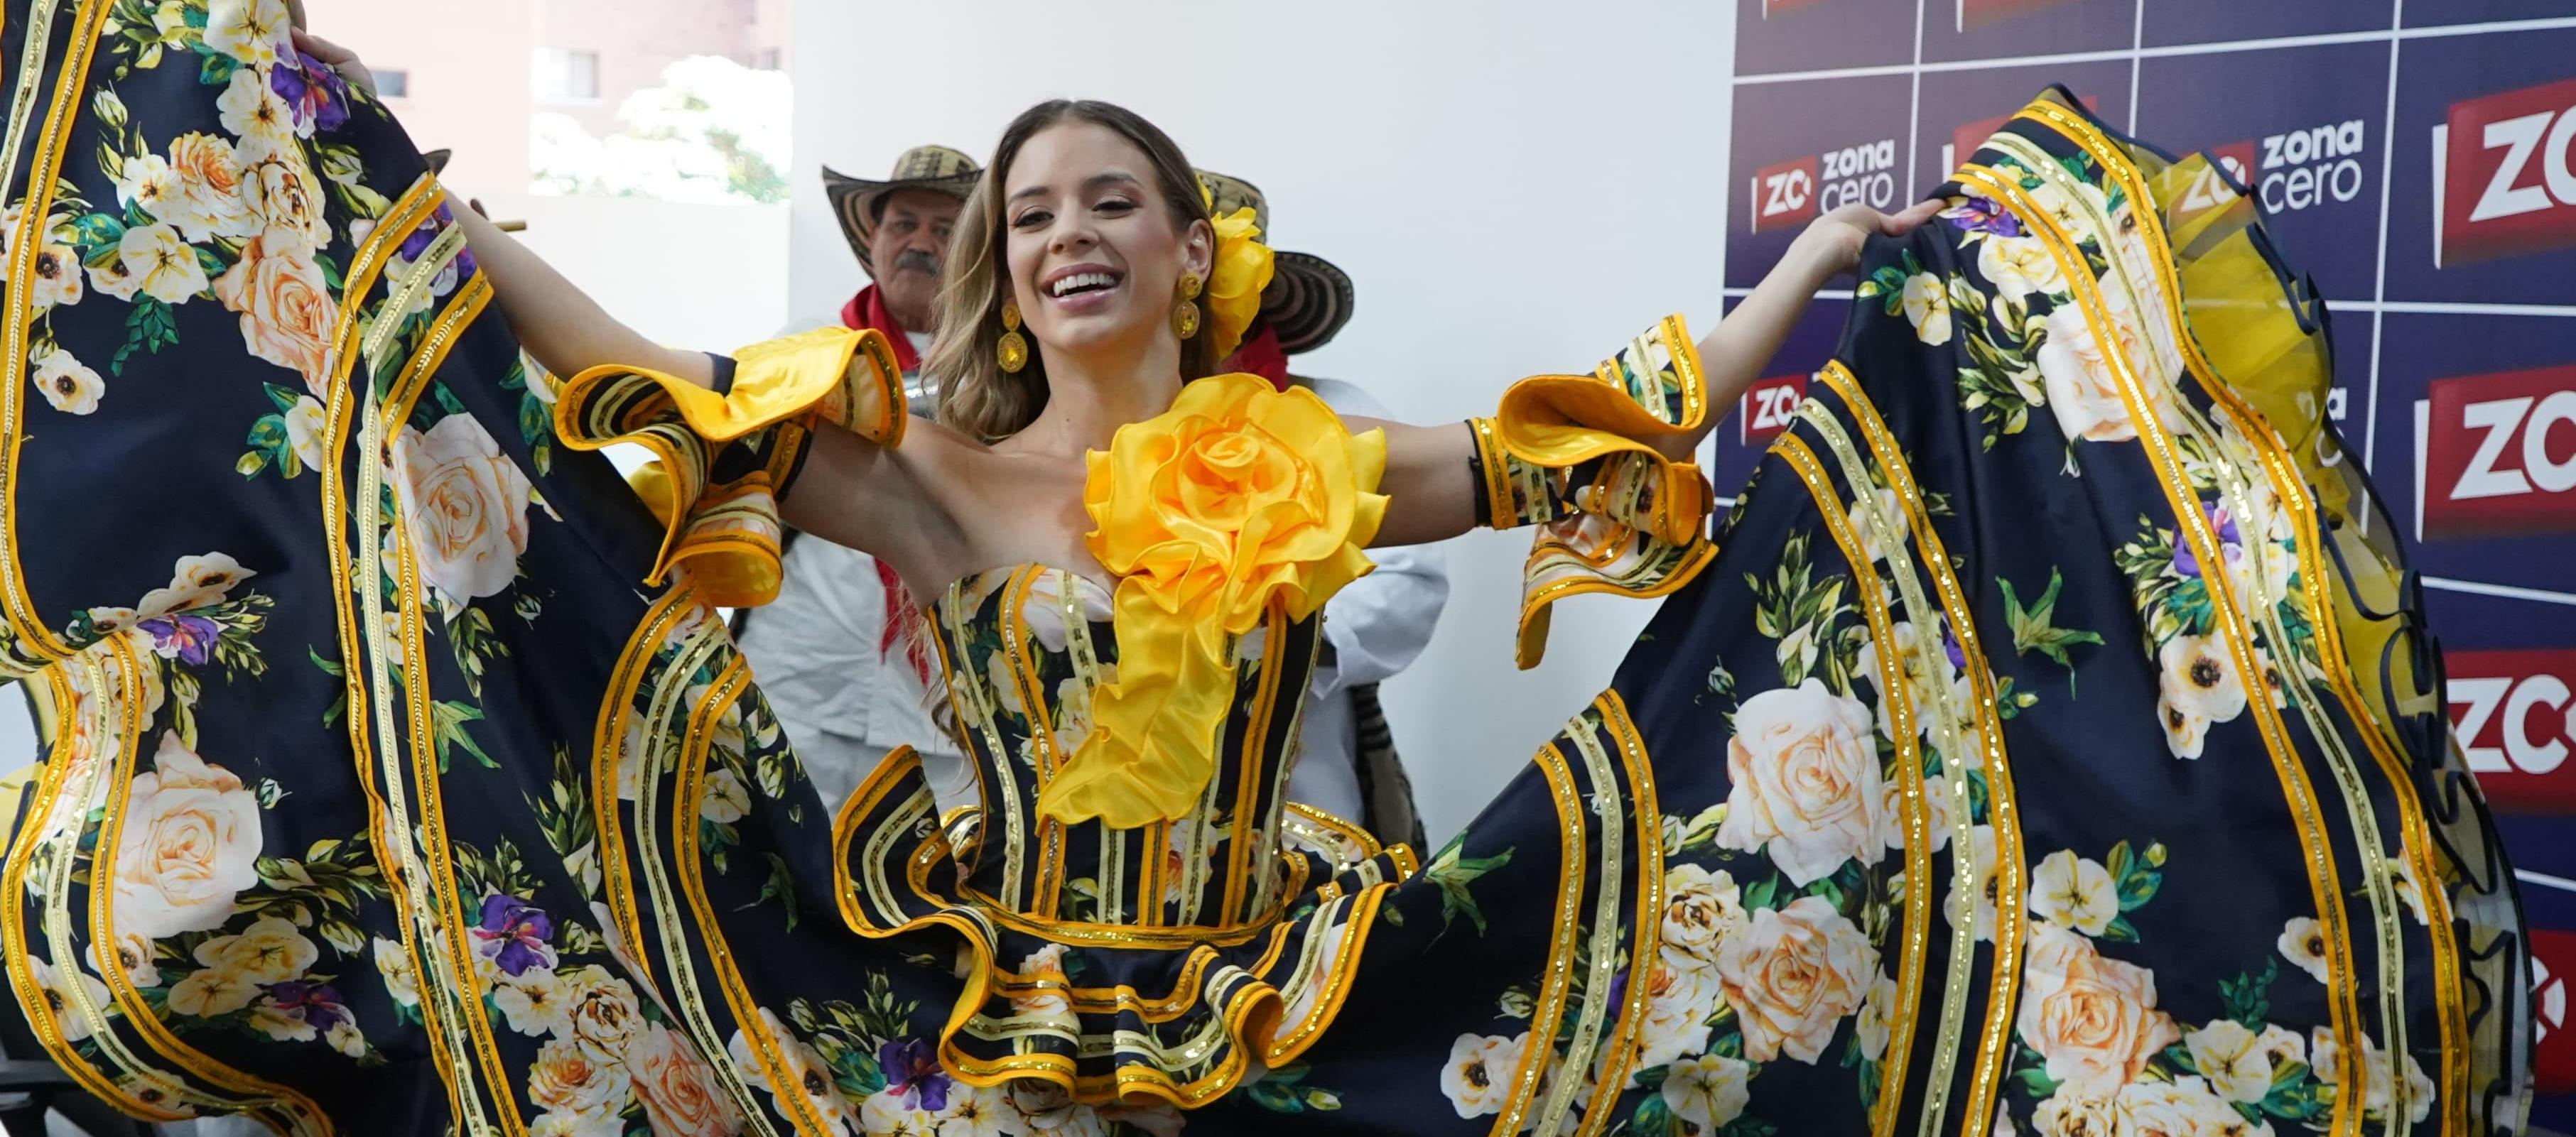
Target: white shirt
{"points": [[1374, 627], [845, 695]]}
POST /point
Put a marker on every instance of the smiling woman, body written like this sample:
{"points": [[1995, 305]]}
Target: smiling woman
{"points": [[399, 777]]}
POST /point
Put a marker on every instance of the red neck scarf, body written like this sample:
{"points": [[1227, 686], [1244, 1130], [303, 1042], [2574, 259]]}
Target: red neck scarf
{"points": [[868, 310], [1260, 355]]}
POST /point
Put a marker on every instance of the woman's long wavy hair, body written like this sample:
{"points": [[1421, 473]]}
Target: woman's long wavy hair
{"points": [[975, 395]]}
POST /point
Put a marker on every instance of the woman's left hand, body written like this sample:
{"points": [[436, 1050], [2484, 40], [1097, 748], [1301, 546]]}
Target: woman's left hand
{"points": [[337, 58], [1836, 239]]}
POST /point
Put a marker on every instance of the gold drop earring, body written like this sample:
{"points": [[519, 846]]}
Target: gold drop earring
{"points": [[1012, 351], [1185, 315]]}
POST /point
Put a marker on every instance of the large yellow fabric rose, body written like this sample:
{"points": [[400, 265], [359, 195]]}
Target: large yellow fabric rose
{"points": [[1238, 498]]}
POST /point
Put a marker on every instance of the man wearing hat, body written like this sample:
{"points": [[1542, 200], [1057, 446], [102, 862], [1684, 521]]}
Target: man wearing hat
{"points": [[838, 652], [1378, 624]]}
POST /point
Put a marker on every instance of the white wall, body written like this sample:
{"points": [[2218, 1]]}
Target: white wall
{"points": [[1515, 185], [703, 277]]}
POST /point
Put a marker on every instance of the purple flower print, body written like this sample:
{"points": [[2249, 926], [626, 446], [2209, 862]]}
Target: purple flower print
{"points": [[1983, 215], [417, 242], [188, 639], [912, 1072], [1950, 646], [316, 94], [318, 1004], [2231, 543], [513, 934]]}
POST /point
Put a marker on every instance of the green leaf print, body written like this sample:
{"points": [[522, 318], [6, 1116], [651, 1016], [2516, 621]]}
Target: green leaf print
{"points": [[2248, 997], [1453, 872], [779, 885], [2135, 877], [217, 70], [2034, 628], [451, 717]]}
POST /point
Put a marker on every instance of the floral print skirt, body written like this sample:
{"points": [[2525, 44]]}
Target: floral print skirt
{"points": [[2032, 756]]}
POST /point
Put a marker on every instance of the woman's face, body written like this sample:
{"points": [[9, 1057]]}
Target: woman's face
{"points": [[1095, 260]]}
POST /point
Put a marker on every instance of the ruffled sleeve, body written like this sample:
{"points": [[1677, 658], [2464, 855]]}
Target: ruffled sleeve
{"points": [[724, 457], [1571, 454]]}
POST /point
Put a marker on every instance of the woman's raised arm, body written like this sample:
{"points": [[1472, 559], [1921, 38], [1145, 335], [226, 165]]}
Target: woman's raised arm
{"points": [[1433, 473]]}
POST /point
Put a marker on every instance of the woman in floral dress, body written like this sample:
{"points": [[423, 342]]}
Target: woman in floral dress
{"points": [[422, 793]]}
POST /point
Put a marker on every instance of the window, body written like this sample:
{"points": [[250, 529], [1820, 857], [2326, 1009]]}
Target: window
{"points": [[563, 75], [393, 83], [768, 59]]}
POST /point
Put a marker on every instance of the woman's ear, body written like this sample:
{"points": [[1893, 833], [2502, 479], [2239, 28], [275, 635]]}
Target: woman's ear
{"points": [[1198, 252]]}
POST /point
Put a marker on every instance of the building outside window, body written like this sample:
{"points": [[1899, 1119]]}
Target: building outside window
{"points": [[393, 83], [564, 75]]}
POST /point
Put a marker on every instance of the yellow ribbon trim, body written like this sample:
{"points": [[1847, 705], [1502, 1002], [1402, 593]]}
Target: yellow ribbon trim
{"points": [[728, 533], [1239, 498], [1237, 274]]}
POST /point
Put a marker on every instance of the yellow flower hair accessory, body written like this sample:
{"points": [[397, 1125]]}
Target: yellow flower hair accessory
{"points": [[1238, 501], [1236, 276]]}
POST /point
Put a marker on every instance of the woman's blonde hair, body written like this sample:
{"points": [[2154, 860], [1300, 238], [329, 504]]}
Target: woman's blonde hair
{"points": [[975, 395]]}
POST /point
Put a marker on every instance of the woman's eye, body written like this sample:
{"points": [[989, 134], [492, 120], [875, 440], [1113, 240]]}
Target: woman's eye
{"points": [[1031, 218], [1115, 206]]}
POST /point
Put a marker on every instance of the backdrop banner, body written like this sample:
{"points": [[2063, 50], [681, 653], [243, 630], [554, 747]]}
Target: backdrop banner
{"points": [[2419, 160]]}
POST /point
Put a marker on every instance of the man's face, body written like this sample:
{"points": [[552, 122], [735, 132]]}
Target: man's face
{"points": [[910, 246]]}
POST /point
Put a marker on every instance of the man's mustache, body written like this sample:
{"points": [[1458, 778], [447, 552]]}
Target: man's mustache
{"points": [[916, 260]]}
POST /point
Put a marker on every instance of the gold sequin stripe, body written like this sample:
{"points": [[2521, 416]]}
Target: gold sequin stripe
{"points": [[41, 838], [881, 840], [272, 1103], [1359, 918], [2263, 615], [2417, 842], [970, 817], [2002, 798], [2194, 526], [1898, 700], [1244, 824], [451, 940], [972, 701], [25, 626], [388, 829], [1954, 746], [664, 750], [1086, 675], [608, 746], [1646, 814], [1549, 1014], [1222, 1043], [462, 308], [75, 775], [786, 1091], [1047, 888], [1582, 1050], [1268, 894]]}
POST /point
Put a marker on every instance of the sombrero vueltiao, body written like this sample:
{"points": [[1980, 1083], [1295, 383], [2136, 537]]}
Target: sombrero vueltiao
{"points": [[856, 201], [1309, 299]]}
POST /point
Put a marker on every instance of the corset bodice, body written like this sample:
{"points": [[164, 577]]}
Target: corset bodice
{"points": [[1023, 649]]}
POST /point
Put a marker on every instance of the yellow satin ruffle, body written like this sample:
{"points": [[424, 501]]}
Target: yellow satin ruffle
{"points": [[1237, 275], [1239, 499], [1638, 527], [721, 460]]}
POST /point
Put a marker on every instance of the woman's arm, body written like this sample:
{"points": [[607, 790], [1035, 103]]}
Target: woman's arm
{"points": [[1427, 466], [1733, 354], [565, 330]]}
